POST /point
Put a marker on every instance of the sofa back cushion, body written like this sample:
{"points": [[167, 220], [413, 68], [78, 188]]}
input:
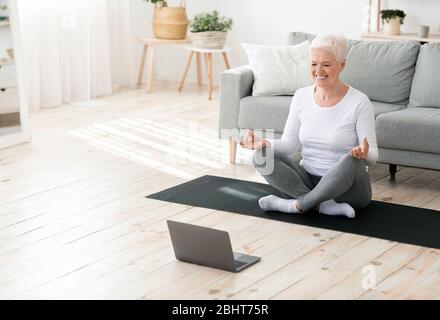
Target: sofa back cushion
{"points": [[383, 70], [425, 86]]}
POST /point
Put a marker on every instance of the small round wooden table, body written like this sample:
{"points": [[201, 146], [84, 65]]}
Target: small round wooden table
{"points": [[208, 59]]}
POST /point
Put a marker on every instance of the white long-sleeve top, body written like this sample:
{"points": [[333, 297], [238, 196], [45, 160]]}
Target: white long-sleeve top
{"points": [[324, 135]]}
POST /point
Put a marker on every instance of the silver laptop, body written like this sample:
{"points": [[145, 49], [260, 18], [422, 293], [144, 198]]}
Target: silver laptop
{"points": [[206, 247]]}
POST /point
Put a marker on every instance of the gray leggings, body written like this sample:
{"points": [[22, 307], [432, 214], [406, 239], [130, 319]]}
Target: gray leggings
{"points": [[346, 181]]}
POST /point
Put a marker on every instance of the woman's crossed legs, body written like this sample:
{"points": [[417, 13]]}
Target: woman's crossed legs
{"points": [[345, 187]]}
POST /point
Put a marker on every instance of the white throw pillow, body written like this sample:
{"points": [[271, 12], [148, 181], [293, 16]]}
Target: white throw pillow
{"points": [[279, 70]]}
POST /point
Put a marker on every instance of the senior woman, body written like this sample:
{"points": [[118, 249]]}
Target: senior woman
{"points": [[332, 125]]}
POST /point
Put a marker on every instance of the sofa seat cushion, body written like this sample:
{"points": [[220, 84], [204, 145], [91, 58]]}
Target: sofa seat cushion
{"points": [[413, 129], [264, 112], [425, 87], [382, 107]]}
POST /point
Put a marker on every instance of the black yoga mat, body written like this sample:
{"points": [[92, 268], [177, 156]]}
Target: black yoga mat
{"points": [[382, 220]]}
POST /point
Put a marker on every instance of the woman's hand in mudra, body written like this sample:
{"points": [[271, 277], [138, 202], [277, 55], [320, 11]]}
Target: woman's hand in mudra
{"points": [[360, 152], [252, 142]]}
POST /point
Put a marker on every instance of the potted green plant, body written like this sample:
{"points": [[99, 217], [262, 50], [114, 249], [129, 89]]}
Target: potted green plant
{"points": [[209, 30], [169, 22], [392, 19]]}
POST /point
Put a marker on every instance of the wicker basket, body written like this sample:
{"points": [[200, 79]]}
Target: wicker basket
{"points": [[170, 23], [209, 39]]}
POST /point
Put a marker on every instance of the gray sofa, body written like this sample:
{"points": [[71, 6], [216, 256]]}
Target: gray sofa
{"points": [[401, 78]]}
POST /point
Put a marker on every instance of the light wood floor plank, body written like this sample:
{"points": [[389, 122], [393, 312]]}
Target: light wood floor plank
{"points": [[407, 279], [335, 271], [384, 265]]}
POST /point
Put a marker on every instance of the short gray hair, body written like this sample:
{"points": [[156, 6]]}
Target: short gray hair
{"points": [[336, 44]]}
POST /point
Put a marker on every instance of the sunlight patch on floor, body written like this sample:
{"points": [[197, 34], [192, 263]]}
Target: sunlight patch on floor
{"points": [[162, 146]]}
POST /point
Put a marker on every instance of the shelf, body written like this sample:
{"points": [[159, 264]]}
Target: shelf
{"points": [[4, 23], [5, 62], [434, 38]]}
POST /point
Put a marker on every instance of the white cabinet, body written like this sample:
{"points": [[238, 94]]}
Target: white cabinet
{"points": [[9, 101], [14, 126], [8, 76]]}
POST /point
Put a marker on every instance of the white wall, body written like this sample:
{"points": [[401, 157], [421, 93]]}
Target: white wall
{"points": [[426, 12], [269, 22]]}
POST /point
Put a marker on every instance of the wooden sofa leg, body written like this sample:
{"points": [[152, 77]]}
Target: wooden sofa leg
{"points": [[393, 170], [232, 150]]}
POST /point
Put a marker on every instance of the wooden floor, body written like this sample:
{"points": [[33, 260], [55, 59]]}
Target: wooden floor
{"points": [[75, 223]]}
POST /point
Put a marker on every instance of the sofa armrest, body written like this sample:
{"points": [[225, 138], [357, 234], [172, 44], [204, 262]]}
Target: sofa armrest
{"points": [[235, 84]]}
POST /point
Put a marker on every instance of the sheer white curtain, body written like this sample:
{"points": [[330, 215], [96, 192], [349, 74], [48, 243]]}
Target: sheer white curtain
{"points": [[58, 49], [124, 47]]}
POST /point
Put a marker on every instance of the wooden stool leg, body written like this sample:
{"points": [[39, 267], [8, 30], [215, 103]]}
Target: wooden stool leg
{"points": [[186, 71], [142, 64], [225, 58], [208, 58], [199, 70], [150, 68], [232, 151]]}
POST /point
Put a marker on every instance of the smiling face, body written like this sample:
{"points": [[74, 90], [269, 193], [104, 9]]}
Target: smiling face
{"points": [[325, 68]]}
